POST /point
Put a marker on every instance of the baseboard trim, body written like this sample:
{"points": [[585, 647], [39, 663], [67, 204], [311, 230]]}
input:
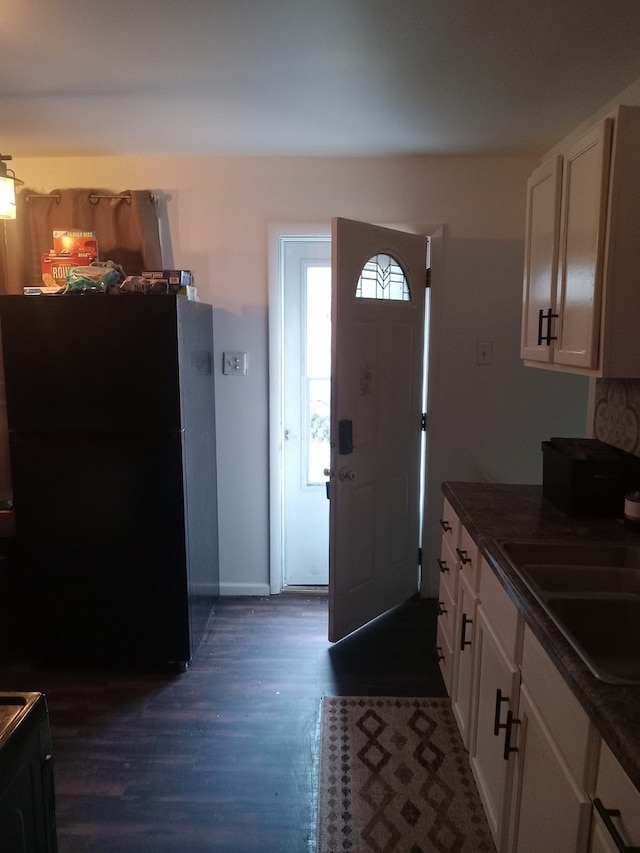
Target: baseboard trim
{"points": [[305, 589], [248, 589]]}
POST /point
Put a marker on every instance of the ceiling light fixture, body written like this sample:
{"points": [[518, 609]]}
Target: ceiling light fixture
{"points": [[7, 189]]}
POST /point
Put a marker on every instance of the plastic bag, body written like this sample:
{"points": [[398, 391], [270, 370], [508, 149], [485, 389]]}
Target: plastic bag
{"points": [[98, 277]]}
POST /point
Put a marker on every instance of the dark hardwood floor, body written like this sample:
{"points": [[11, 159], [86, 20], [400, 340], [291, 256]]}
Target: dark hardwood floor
{"points": [[223, 757]]}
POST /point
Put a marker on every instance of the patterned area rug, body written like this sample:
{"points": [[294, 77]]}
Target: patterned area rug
{"points": [[395, 778]]}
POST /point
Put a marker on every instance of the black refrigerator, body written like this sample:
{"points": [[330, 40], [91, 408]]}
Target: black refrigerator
{"points": [[111, 414]]}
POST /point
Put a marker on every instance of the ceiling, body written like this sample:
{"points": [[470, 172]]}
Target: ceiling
{"points": [[307, 77]]}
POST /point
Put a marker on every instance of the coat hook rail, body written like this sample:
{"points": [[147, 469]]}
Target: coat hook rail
{"points": [[94, 198]]}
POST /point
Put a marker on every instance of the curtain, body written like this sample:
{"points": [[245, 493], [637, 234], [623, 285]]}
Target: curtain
{"points": [[126, 225]]}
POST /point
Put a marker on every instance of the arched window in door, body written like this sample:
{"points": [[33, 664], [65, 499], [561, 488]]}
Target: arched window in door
{"points": [[382, 278]]}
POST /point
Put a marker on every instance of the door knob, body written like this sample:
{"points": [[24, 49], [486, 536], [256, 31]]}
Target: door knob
{"points": [[328, 472], [345, 474]]}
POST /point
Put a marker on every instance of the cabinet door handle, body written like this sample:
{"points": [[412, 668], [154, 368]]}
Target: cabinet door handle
{"points": [[507, 725], [606, 815], [443, 565], [497, 725], [548, 316], [540, 322], [511, 722], [445, 525], [463, 641], [464, 556]]}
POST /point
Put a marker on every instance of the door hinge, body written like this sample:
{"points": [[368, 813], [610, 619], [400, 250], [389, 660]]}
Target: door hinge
{"points": [[428, 278], [423, 422], [420, 557]]}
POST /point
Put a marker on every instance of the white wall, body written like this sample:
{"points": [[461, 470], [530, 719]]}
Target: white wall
{"points": [[629, 96], [486, 422]]}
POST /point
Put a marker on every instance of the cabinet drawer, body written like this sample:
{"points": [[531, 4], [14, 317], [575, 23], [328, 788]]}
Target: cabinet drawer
{"points": [[449, 566], [445, 657], [616, 791], [469, 558], [570, 727], [446, 612], [450, 525], [501, 612]]}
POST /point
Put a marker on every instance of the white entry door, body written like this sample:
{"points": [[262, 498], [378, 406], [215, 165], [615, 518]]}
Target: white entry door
{"points": [[378, 317]]}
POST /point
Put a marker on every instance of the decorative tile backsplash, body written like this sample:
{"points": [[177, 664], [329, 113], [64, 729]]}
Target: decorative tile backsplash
{"points": [[617, 413]]}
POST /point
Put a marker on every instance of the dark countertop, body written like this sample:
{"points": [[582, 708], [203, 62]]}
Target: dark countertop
{"points": [[498, 511]]}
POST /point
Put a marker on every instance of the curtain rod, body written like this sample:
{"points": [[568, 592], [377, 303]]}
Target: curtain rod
{"points": [[94, 198]]}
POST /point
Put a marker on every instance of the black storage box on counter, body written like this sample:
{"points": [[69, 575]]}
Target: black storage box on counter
{"points": [[584, 476]]}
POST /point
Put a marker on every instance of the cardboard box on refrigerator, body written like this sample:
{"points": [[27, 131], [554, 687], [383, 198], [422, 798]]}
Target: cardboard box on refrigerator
{"points": [[75, 243], [179, 278], [56, 267]]}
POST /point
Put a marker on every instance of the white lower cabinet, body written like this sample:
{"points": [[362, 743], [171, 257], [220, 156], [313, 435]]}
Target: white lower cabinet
{"points": [[555, 762], [449, 566], [462, 692], [459, 565], [497, 685], [547, 781], [447, 615], [445, 656], [551, 812], [496, 688], [533, 751], [601, 841], [616, 820]]}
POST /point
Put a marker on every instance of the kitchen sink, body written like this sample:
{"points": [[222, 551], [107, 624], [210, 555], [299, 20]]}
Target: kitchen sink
{"points": [[591, 591], [604, 632], [588, 580], [527, 552]]}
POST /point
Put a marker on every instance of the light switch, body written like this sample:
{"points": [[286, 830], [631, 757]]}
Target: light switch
{"points": [[234, 363]]}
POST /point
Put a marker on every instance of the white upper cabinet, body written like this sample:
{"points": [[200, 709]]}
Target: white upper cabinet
{"points": [[542, 244], [581, 296], [582, 230]]}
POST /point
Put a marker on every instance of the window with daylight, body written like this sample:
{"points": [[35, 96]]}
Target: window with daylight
{"points": [[382, 278]]}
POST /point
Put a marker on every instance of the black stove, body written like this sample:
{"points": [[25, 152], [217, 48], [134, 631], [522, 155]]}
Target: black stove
{"points": [[27, 802]]}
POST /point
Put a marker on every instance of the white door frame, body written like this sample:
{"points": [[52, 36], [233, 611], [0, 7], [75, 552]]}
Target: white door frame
{"points": [[276, 403]]}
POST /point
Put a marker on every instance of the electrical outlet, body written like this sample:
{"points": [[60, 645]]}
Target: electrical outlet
{"points": [[484, 352], [234, 363]]}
